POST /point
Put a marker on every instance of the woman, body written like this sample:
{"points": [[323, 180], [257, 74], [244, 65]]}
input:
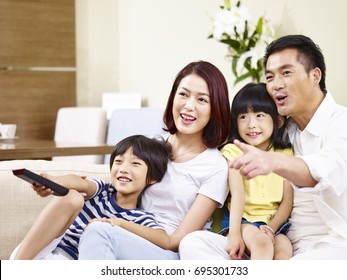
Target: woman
{"points": [[197, 119]]}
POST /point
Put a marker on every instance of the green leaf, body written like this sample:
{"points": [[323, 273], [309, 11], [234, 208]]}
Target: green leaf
{"points": [[233, 66], [243, 77], [232, 43], [259, 27], [245, 33], [227, 4]]}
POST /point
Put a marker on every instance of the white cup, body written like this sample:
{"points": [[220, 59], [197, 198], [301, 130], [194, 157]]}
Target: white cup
{"points": [[8, 131]]}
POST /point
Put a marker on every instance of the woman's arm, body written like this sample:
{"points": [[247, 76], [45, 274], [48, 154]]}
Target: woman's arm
{"points": [[157, 236], [285, 208], [195, 219]]}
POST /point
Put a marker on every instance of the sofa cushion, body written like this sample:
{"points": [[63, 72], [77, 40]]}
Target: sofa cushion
{"points": [[20, 205]]}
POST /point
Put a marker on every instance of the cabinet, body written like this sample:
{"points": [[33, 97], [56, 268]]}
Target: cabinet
{"points": [[37, 64]]}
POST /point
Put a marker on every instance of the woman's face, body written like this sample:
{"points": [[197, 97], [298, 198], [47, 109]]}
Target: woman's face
{"points": [[192, 105]]}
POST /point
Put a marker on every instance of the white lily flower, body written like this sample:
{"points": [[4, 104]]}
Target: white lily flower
{"points": [[230, 24], [240, 68], [224, 24], [240, 15], [257, 53]]}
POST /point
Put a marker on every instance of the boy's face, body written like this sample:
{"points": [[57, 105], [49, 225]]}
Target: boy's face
{"points": [[128, 174]]}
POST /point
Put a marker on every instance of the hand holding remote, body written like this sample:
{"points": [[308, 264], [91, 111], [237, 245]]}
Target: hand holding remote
{"points": [[38, 180]]}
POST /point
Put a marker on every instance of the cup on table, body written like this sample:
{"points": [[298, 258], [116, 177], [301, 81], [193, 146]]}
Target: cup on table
{"points": [[8, 131]]}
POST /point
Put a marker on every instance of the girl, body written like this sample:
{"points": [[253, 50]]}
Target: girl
{"points": [[259, 208]]}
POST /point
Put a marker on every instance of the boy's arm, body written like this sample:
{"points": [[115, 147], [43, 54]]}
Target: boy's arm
{"points": [[285, 208], [71, 181]]}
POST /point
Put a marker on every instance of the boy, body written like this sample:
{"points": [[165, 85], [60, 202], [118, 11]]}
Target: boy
{"points": [[136, 163]]}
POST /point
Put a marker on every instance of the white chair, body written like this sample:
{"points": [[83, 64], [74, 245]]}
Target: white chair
{"points": [[126, 122], [81, 125], [120, 100]]}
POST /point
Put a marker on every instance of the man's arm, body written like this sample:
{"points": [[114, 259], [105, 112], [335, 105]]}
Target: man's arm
{"points": [[254, 162]]}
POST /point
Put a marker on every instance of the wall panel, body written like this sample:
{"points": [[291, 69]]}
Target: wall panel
{"points": [[37, 64], [31, 99], [37, 33]]}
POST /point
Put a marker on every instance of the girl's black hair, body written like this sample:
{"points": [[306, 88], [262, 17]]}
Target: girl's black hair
{"points": [[153, 151], [254, 97]]}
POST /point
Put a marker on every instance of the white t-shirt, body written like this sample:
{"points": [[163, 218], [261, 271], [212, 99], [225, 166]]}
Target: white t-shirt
{"points": [[319, 216], [171, 198]]}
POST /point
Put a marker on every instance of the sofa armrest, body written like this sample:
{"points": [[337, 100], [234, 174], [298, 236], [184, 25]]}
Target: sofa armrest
{"points": [[20, 205]]}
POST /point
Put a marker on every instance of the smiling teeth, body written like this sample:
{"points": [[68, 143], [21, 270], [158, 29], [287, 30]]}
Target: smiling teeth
{"points": [[253, 133], [188, 117], [124, 179]]}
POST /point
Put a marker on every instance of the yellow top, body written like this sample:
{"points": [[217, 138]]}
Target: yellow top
{"points": [[263, 194]]}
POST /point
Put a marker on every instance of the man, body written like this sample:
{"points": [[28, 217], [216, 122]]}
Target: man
{"points": [[295, 78]]}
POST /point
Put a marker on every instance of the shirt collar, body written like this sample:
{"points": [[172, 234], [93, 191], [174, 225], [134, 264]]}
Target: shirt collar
{"points": [[321, 117]]}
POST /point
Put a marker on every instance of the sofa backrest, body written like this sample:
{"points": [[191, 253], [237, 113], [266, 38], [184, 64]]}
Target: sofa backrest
{"points": [[126, 122]]}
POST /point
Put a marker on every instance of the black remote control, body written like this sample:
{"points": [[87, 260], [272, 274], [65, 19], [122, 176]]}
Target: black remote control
{"points": [[38, 180]]}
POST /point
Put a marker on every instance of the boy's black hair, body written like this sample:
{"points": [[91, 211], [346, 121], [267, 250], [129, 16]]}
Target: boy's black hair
{"points": [[255, 97], [155, 152]]}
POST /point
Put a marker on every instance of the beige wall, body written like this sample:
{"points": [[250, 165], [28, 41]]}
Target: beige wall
{"points": [[140, 45]]}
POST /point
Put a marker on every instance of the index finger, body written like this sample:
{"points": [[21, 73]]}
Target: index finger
{"points": [[242, 146]]}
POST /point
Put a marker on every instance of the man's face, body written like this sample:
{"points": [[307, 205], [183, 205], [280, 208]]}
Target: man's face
{"points": [[289, 84]]}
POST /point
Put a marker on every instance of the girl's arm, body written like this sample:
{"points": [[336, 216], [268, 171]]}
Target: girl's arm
{"points": [[236, 244], [195, 219], [285, 208]]}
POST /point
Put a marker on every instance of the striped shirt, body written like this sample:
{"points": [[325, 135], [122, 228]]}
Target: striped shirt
{"points": [[101, 205]]}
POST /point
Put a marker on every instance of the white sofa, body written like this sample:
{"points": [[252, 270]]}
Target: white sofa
{"points": [[20, 205]]}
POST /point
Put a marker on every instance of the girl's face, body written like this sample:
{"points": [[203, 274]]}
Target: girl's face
{"points": [[256, 128], [191, 105], [128, 174]]}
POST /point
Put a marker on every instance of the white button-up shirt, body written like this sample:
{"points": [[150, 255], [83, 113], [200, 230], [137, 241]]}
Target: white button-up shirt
{"points": [[319, 216]]}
